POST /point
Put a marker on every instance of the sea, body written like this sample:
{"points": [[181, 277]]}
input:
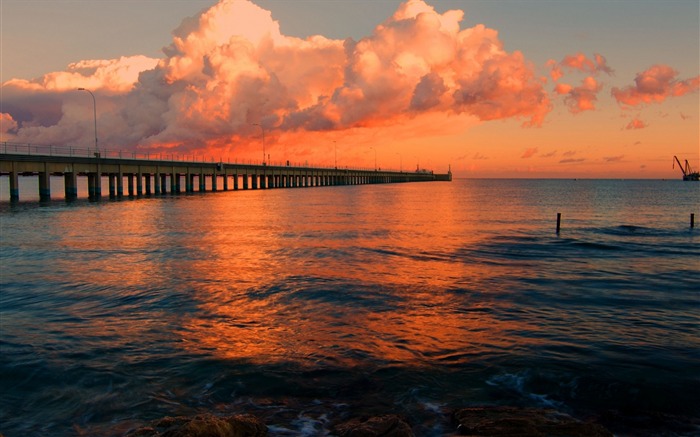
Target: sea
{"points": [[310, 306]]}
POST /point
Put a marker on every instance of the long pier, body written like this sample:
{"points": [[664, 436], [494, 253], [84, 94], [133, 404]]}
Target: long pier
{"points": [[139, 175]]}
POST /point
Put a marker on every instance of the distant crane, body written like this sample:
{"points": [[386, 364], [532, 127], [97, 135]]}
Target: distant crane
{"points": [[688, 173]]}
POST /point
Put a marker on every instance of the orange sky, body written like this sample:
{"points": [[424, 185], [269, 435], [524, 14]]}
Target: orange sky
{"points": [[423, 89]]}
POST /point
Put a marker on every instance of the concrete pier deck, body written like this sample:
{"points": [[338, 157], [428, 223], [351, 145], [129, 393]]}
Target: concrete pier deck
{"points": [[139, 175]]}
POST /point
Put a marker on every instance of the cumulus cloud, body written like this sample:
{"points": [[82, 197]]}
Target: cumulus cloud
{"points": [[230, 67], [7, 123], [579, 62], [116, 75], [655, 85], [580, 98]]}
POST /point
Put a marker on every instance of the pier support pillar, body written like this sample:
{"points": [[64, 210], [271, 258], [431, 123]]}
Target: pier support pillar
{"points": [[94, 186], [147, 183], [112, 185], [263, 185], [163, 183], [130, 184], [214, 181], [44, 186], [156, 178], [225, 182], [254, 180], [120, 184], [14, 186], [139, 183], [235, 181], [245, 181], [71, 185]]}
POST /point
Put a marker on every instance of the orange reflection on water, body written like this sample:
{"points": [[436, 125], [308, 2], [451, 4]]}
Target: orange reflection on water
{"points": [[287, 286]]}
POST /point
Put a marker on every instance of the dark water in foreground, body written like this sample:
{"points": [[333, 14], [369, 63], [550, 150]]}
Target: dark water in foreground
{"points": [[307, 306]]}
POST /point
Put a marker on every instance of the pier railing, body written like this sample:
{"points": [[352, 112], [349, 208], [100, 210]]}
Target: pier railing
{"points": [[11, 148]]}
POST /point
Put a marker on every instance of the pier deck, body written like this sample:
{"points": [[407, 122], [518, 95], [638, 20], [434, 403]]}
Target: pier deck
{"points": [[145, 176]]}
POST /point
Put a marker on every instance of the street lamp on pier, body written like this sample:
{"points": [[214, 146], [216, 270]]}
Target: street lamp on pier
{"points": [[263, 139], [94, 109]]}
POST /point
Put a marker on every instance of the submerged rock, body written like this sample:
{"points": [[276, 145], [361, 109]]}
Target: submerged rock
{"points": [[379, 426], [523, 422], [204, 425]]}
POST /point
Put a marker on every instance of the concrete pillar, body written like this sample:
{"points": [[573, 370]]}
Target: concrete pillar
{"points": [[262, 181], [156, 183], [163, 183], [14, 186], [130, 184], [189, 182], [214, 182], [139, 183], [71, 184], [94, 186], [44, 186], [202, 182], [120, 183], [235, 181], [147, 183], [254, 181], [225, 181], [245, 181], [112, 180]]}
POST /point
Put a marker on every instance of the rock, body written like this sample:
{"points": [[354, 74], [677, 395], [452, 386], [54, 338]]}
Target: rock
{"points": [[204, 425], [378, 426], [523, 422]]}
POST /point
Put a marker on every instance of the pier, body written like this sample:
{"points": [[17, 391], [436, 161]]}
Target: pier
{"points": [[138, 174]]}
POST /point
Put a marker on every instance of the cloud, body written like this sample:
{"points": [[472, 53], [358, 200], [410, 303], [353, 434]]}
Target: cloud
{"points": [[636, 124], [579, 62], [230, 66], [571, 160], [529, 153], [7, 123], [115, 75], [580, 98], [654, 86]]}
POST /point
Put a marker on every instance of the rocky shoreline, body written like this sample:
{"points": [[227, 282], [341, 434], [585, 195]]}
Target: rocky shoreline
{"points": [[474, 421]]}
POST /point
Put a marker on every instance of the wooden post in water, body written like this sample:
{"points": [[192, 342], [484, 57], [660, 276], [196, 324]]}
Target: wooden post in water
{"points": [[692, 220], [558, 222]]}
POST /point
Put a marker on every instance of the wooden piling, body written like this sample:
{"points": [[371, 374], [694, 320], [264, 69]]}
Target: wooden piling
{"points": [[692, 220], [558, 222]]}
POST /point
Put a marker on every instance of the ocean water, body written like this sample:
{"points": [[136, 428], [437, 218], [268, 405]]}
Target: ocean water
{"points": [[309, 306]]}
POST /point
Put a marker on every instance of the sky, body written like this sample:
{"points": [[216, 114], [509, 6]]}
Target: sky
{"points": [[489, 88]]}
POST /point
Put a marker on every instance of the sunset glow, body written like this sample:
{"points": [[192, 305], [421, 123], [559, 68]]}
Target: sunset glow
{"points": [[424, 89]]}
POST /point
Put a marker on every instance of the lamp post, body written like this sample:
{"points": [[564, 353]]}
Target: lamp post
{"points": [[94, 109], [263, 139]]}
